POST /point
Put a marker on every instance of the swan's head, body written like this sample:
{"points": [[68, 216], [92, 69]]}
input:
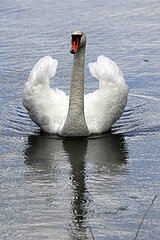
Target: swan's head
{"points": [[78, 41]]}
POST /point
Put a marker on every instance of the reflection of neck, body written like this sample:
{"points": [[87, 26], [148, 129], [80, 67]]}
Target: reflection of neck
{"points": [[76, 150], [75, 124]]}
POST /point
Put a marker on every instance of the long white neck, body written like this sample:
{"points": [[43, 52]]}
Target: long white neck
{"points": [[75, 124]]}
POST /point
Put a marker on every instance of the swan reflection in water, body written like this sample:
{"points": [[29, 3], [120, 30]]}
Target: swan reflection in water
{"points": [[107, 154]]}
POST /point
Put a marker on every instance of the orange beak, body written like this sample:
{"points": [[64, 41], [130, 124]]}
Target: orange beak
{"points": [[75, 45]]}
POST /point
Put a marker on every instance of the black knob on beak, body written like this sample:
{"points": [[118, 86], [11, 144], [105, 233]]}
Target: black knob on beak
{"points": [[72, 51]]}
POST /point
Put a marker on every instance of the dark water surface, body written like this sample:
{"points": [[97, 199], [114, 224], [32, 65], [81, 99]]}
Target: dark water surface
{"points": [[51, 188]]}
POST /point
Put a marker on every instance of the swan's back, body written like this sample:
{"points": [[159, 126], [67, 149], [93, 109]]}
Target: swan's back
{"points": [[104, 106]]}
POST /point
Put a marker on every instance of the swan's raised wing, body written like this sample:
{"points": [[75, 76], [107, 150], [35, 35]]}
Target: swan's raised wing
{"points": [[104, 106], [47, 107]]}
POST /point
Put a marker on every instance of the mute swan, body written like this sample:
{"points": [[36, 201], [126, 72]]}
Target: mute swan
{"points": [[78, 114]]}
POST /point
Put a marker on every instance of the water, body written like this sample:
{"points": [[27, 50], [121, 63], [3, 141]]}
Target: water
{"points": [[56, 189]]}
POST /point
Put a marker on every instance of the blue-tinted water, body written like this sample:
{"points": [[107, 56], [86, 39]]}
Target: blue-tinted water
{"points": [[56, 189]]}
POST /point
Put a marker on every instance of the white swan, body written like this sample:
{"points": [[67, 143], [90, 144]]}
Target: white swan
{"points": [[78, 114]]}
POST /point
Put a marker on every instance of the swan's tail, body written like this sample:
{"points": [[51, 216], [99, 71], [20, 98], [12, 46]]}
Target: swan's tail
{"points": [[43, 70]]}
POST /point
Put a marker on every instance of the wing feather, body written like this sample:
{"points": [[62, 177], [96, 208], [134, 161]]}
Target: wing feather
{"points": [[46, 106], [104, 106]]}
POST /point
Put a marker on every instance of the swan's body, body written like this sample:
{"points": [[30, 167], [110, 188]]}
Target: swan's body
{"points": [[77, 114]]}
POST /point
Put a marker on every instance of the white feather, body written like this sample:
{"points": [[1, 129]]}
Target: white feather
{"points": [[104, 106], [47, 107]]}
